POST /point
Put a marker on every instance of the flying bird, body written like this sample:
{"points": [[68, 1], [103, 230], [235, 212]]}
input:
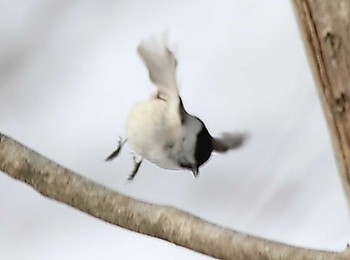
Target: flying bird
{"points": [[160, 129]]}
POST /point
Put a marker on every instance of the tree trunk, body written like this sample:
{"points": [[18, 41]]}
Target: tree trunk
{"points": [[326, 31]]}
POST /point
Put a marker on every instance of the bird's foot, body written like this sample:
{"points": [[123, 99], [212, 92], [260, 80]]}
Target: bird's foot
{"points": [[137, 164], [117, 150]]}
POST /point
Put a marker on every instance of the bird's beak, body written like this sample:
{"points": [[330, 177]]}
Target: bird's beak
{"points": [[195, 171]]}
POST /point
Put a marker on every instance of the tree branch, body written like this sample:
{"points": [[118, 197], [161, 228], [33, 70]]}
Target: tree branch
{"points": [[326, 29], [167, 223]]}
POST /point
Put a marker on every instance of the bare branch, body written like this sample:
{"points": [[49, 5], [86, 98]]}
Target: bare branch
{"points": [[167, 223], [326, 26]]}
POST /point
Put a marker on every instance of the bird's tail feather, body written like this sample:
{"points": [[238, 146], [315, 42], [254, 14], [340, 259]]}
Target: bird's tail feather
{"points": [[229, 141]]}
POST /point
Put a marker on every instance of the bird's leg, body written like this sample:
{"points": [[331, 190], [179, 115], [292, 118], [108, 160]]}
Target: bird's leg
{"points": [[117, 150], [137, 164]]}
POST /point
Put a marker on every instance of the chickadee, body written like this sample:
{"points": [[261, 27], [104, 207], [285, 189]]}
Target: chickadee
{"points": [[160, 129]]}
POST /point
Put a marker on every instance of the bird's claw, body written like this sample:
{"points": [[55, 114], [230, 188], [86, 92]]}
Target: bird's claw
{"points": [[117, 150], [137, 164]]}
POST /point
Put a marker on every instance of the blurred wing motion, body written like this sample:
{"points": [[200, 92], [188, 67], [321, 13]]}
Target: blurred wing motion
{"points": [[161, 64]]}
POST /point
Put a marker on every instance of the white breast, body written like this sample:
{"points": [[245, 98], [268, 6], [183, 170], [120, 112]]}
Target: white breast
{"points": [[152, 128]]}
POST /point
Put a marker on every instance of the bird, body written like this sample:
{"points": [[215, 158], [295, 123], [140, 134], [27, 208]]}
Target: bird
{"points": [[160, 129]]}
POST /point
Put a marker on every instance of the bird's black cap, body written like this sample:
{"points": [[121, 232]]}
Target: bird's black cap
{"points": [[204, 145]]}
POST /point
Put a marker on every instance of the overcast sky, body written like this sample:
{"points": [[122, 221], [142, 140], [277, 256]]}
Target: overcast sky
{"points": [[69, 74]]}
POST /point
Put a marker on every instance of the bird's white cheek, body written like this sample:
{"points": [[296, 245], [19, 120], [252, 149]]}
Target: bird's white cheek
{"points": [[188, 149]]}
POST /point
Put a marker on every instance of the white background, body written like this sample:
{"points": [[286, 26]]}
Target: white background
{"points": [[69, 73]]}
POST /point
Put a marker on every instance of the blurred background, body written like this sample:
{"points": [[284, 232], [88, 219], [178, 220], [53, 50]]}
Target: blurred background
{"points": [[69, 74]]}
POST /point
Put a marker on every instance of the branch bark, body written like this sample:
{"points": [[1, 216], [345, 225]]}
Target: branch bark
{"points": [[326, 30], [167, 223]]}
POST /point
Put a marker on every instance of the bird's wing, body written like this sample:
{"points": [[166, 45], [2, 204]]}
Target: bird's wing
{"points": [[161, 64]]}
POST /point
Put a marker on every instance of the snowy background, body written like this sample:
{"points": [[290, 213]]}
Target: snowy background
{"points": [[69, 73]]}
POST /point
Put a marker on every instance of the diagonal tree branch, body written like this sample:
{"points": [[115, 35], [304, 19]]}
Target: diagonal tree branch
{"points": [[167, 223], [325, 26]]}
